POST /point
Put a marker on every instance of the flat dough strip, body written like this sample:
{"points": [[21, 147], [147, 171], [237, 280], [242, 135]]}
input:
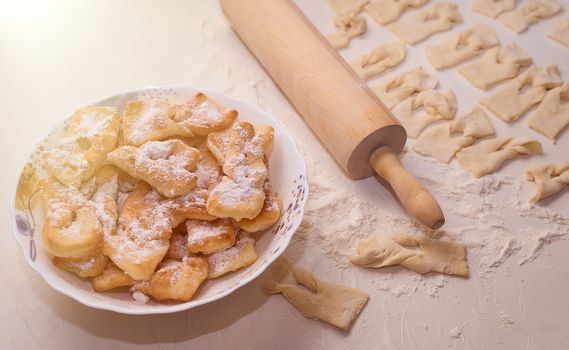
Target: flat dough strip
{"points": [[435, 105], [442, 142], [395, 90], [459, 47], [549, 180], [387, 11], [516, 97], [342, 7], [379, 59], [419, 254], [419, 26], [487, 156], [316, 299], [493, 8], [560, 32], [349, 26], [496, 65], [552, 114], [528, 13]]}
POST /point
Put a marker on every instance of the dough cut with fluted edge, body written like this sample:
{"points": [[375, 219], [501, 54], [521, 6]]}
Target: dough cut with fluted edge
{"points": [[549, 180], [486, 156], [332, 303], [420, 254]]}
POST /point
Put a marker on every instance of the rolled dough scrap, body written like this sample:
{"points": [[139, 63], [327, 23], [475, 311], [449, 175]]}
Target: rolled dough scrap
{"points": [[560, 32], [342, 7], [395, 90], [419, 26], [552, 114], [549, 179], [493, 8], [444, 140], [528, 13], [436, 106], [379, 59], [517, 96], [349, 26], [420, 254], [459, 47], [316, 299], [387, 11], [496, 65], [487, 156]]}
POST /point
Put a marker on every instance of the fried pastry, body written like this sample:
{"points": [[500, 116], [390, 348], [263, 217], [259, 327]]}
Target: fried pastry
{"points": [[166, 165], [178, 246], [89, 266], [104, 198], [208, 170], [90, 135], [150, 120], [191, 206], [267, 135], [143, 234], [175, 280], [202, 115], [232, 200], [270, 213], [111, 278], [208, 237], [242, 254], [71, 228]]}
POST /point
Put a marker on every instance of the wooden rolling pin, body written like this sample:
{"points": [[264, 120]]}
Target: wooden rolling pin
{"points": [[356, 128]]}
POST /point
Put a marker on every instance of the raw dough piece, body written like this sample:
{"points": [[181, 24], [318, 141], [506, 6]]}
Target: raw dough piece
{"points": [[516, 97], [349, 25], [496, 65], [531, 11], [379, 59], [316, 299], [487, 156], [419, 26], [387, 11], [440, 141], [395, 90], [342, 7], [460, 47], [561, 32], [419, 254], [436, 106], [549, 180], [493, 8], [552, 114]]}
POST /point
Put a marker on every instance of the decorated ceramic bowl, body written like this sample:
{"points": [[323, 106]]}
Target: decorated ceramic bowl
{"points": [[287, 173]]}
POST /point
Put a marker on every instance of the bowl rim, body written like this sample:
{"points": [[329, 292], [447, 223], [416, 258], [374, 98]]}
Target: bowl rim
{"points": [[166, 308]]}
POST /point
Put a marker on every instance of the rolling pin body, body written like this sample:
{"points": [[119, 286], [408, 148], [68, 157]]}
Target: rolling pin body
{"points": [[338, 106]]}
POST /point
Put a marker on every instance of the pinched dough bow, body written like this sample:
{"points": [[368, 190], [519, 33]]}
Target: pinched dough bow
{"points": [[549, 180], [531, 11], [332, 303]]}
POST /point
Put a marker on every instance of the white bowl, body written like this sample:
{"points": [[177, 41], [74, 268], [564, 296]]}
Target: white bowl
{"points": [[288, 176]]}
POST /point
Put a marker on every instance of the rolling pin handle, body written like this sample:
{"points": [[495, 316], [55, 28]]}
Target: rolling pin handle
{"points": [[415, 198]]}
